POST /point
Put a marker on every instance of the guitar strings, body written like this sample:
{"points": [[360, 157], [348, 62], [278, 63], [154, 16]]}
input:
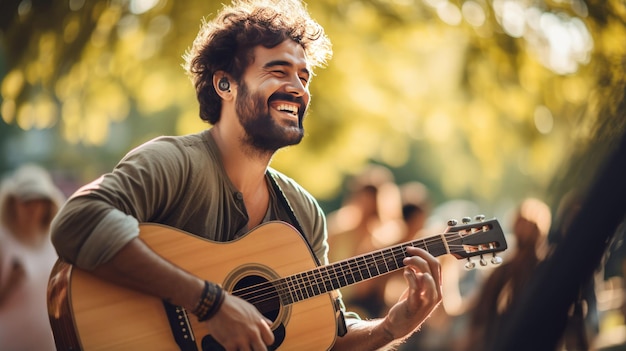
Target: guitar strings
{"points": [[295, 287], [300, 290], [332, 275], [306, 286]]}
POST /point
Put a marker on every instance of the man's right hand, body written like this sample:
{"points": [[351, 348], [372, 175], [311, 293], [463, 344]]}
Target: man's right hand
{"points": [[239, 326]]}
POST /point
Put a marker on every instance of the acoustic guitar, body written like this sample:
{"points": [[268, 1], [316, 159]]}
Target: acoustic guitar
{"points": [[271, 267]]}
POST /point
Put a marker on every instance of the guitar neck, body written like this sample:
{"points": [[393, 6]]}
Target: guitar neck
{"points": [[344, 273]]}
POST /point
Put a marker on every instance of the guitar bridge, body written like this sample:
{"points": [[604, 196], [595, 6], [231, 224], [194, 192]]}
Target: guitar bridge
{"points": [[181, 328]]}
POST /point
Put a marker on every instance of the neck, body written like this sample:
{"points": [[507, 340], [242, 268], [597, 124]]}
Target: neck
{"points": [[245, 168]]}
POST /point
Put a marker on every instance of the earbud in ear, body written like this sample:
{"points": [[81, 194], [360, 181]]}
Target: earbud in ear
{"points": [[224, 84]]}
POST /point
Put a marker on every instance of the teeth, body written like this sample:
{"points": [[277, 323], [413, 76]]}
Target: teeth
{"points": [[289, 108]]}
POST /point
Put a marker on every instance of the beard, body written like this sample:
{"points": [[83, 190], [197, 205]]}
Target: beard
{"points": [[263, 134]]}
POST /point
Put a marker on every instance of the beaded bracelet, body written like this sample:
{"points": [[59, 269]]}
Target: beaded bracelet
{"points": [[210, 301]]}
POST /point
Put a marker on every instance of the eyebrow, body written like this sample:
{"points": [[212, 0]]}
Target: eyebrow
{"points": [[284, 63]]}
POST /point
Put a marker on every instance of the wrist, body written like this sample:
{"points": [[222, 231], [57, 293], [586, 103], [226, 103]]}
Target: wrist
{"points": [[210, 301], [384, 331]]}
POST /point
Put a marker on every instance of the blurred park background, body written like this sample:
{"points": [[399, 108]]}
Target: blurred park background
{"points": [[478, 99], [486, 100]]}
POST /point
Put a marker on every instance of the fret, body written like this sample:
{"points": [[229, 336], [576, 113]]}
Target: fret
{"points": [[360, 273], [290, 288], [419, 243], [392, 259], [297, 296], [334, 280], [365, 270], [439, 248], [379, 262], [315, 282], [293, 286], [370, 265], [308, 285], [341, 274], [350, 266], [357, 270], [399, 257], [328, 286], [445, 243], [298, 290], [389, 260], [282, 289]]}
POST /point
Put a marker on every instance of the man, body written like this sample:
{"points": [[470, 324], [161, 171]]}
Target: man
{"points": [[251, 67]]}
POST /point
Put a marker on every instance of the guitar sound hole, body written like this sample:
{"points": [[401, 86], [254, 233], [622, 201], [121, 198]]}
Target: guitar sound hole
{"points": [[261, 293]]}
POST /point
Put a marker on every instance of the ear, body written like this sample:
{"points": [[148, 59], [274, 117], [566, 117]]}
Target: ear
{"points": [[223, 85]]}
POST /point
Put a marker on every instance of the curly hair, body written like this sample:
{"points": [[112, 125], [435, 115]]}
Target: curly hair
{"points": [[226, 42]]}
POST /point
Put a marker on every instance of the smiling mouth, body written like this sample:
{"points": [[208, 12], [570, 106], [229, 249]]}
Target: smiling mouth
{"points": [[288, 108]]}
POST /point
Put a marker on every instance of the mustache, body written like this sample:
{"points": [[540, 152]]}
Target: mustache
{"points": [[288, 97]]}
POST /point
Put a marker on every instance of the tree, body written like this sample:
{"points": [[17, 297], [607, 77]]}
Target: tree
{"points": [[478, 99]]}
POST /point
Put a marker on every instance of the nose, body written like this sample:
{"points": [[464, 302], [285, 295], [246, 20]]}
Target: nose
{"points": [[296, 86]]}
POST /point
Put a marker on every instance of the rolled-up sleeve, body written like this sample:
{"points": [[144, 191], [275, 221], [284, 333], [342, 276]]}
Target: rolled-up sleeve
{"points": [[114, 231], [88, 232]]}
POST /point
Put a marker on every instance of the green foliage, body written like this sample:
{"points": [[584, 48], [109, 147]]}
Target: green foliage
{"points": [[458, 95]]}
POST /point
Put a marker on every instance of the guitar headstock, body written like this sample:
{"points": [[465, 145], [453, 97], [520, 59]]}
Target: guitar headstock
{"points": [[477, 238]]}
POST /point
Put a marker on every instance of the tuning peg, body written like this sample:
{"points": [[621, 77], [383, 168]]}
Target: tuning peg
{"points": [[469, 265], [466, 220], [480, 218], [482, 261], [452, 222], [496, 260]]}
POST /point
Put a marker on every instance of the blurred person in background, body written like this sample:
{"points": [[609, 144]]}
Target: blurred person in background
{"points": [[445, 325], [415, 209], [502, 289], [29, 199], [369, 219]]}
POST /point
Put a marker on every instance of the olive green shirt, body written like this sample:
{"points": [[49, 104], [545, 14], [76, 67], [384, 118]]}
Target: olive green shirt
{"points": [[177, 181]]}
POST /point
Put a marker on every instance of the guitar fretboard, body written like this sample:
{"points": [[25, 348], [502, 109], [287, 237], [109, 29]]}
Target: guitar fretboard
{"points": [[337, 275]]}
